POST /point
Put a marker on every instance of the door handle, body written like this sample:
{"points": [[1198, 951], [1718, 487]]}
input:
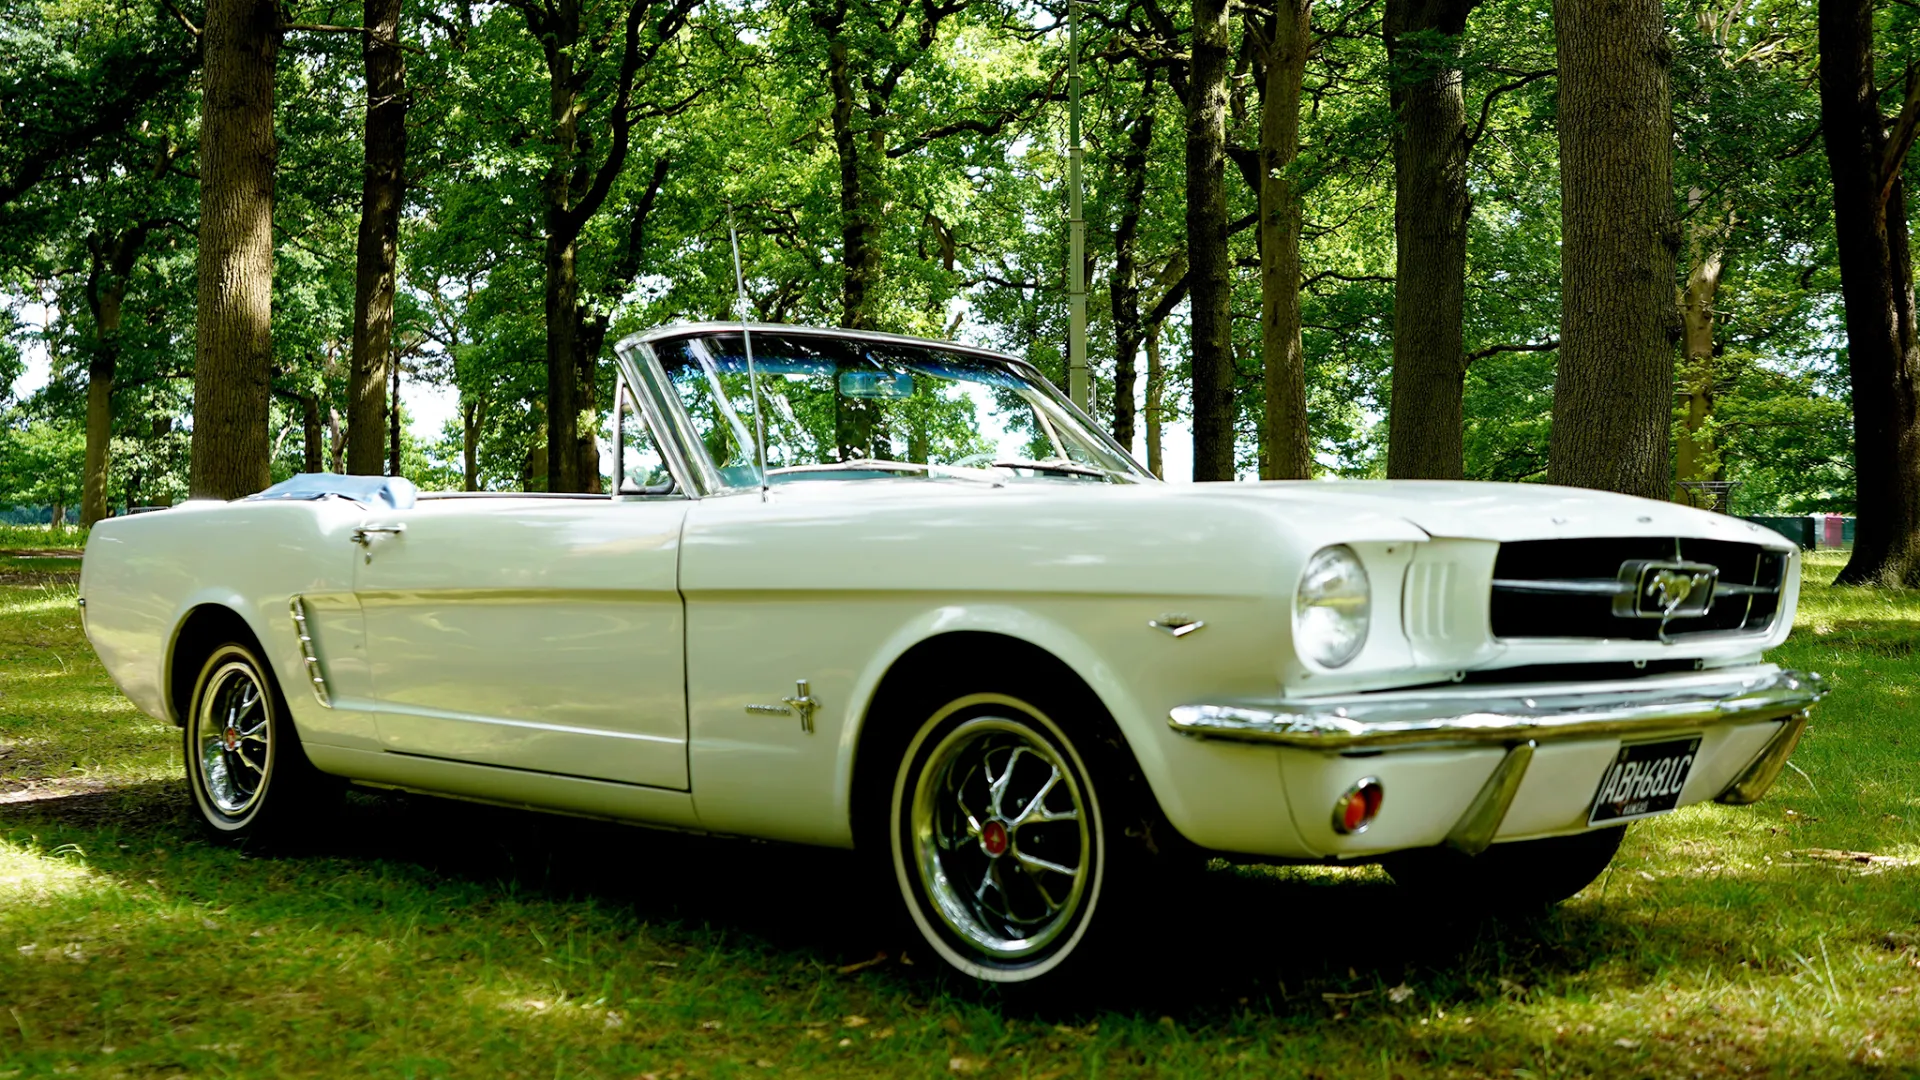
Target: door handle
{"points": [[365, 533]]}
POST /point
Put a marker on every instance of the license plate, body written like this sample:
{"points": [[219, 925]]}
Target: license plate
{"points": [[1644, 779]]}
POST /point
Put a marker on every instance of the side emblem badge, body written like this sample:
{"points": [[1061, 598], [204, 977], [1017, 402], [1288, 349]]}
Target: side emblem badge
{"points": [[802, 702], [1176, 625]]}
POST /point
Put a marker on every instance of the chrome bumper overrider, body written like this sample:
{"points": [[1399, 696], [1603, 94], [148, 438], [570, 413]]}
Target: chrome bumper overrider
{"points": [[1468, 715]]}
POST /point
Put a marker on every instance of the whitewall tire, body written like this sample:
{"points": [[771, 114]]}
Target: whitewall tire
{"points": [[250, 778], [1000, 848]]}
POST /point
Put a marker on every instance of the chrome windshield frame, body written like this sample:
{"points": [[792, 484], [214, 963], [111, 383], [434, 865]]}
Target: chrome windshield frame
{"points": [[667, 420], [686, 457]]}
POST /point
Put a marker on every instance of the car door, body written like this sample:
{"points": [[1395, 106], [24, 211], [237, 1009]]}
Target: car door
{"points": [[544, 634]]}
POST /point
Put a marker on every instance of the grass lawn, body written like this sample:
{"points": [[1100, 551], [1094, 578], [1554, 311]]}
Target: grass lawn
{"points": [[439, 939]]}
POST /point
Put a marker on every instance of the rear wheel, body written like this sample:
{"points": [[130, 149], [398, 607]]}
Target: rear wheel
{"points": [[1513, 877], [250, 777]]}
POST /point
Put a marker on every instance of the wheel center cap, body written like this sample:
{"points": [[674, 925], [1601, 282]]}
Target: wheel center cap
{"points": [[231, 737], [993, 837]]}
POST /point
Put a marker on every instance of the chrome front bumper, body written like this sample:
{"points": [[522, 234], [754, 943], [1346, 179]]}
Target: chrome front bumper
{"points": [[1464, 715], [1519, 718]]}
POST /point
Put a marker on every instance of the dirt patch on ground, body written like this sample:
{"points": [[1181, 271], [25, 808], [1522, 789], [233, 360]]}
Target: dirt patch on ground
{"points": [[38, 789], [38, 577], [32, 567]]}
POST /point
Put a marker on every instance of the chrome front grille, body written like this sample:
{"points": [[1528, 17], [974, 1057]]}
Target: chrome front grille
{"points": [[1634, 588]]}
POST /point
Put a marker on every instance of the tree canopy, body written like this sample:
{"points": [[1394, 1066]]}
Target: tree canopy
{"points": [[571, 172]]}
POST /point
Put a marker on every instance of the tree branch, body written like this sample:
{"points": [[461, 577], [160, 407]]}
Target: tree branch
{"points": [[1902, 137], [130, 84], [1495, 350], [182, 16], [991, 279], [1486, 103], [989, 127], [622, 114], [1354, 279]]}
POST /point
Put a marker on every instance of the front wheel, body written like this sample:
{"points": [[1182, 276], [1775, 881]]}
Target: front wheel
{"points": [[1000, 842], [250, 777], [1513, 877]]}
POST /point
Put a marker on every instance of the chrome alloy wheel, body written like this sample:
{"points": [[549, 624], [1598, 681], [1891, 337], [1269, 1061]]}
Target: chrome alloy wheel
{"points": [[1001, 837], [232, 739]]}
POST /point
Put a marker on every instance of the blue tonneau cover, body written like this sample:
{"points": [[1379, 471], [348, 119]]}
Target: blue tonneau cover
{"points": [[396, 492]]}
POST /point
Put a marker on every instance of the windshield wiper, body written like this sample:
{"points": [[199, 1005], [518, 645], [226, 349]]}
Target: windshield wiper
{"points": [[885, 465], [1056, 466]]}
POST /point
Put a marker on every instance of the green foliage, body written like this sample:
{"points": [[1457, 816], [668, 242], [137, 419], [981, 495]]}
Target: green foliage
{"points": [[960, 134], [40, 464]]}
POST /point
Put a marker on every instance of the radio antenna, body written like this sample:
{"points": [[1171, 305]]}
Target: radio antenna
{"points": [[741, 309]]}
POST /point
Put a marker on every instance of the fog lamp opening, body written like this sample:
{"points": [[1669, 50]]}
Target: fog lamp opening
{"points": [[1356, 809]]}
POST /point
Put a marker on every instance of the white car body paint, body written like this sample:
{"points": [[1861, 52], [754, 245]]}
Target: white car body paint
{"points": [[562, 665]]}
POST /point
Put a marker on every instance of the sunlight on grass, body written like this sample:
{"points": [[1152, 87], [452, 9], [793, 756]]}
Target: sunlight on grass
{"points": [[49, 598], [433, 939], [28, 876]]}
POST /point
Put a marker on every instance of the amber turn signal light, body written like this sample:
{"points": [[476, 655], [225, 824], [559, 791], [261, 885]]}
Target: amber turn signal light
{"points": [[1355, 810]]}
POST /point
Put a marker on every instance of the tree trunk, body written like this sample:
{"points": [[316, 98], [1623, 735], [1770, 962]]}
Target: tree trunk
{"points": [[590, 334], [393, 423], [311, 429], [562, 282], [1695, 456], [382, 192], [589, 337], [1209, 279], [573, 195], [336, 444], [1125, 287], [1876, 282], [1170, 287], [859, 251], [472, 412], [1430, 208], [1613, 400], [113, 259], [855, 432], [100, 372], [1156, 390], [233, 345], [1287, 445]]}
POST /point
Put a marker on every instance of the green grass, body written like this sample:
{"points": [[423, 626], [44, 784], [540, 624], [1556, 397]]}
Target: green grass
{"points": [[15, 537], [437, 939]]}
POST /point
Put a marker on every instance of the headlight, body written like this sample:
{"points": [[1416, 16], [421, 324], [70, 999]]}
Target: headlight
{"points": [[1332, 607]]}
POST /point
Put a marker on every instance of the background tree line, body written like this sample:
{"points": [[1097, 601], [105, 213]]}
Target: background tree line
{"points": [[1618, 244]]}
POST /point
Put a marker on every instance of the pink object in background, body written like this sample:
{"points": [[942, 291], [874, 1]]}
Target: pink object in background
{"points": [[1833, 531]]}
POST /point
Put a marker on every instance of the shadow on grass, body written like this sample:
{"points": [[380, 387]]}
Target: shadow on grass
{"points": [[1301, 946]]}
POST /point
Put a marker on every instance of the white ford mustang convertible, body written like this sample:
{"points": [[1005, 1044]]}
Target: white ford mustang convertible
{"points": [[867, 591]]}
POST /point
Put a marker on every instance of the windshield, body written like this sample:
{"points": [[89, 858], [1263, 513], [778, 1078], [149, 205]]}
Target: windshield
{"points": [[837, 408]]}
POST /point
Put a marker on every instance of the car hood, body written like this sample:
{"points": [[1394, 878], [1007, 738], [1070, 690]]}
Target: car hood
{"points": [[1505, 512], [1376, 509]]}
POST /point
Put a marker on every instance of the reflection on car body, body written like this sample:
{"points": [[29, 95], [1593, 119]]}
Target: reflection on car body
{"points": [[898, 595]]}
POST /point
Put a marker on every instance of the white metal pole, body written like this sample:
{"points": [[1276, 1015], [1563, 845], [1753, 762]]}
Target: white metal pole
{"points": [[1079, 380]]}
